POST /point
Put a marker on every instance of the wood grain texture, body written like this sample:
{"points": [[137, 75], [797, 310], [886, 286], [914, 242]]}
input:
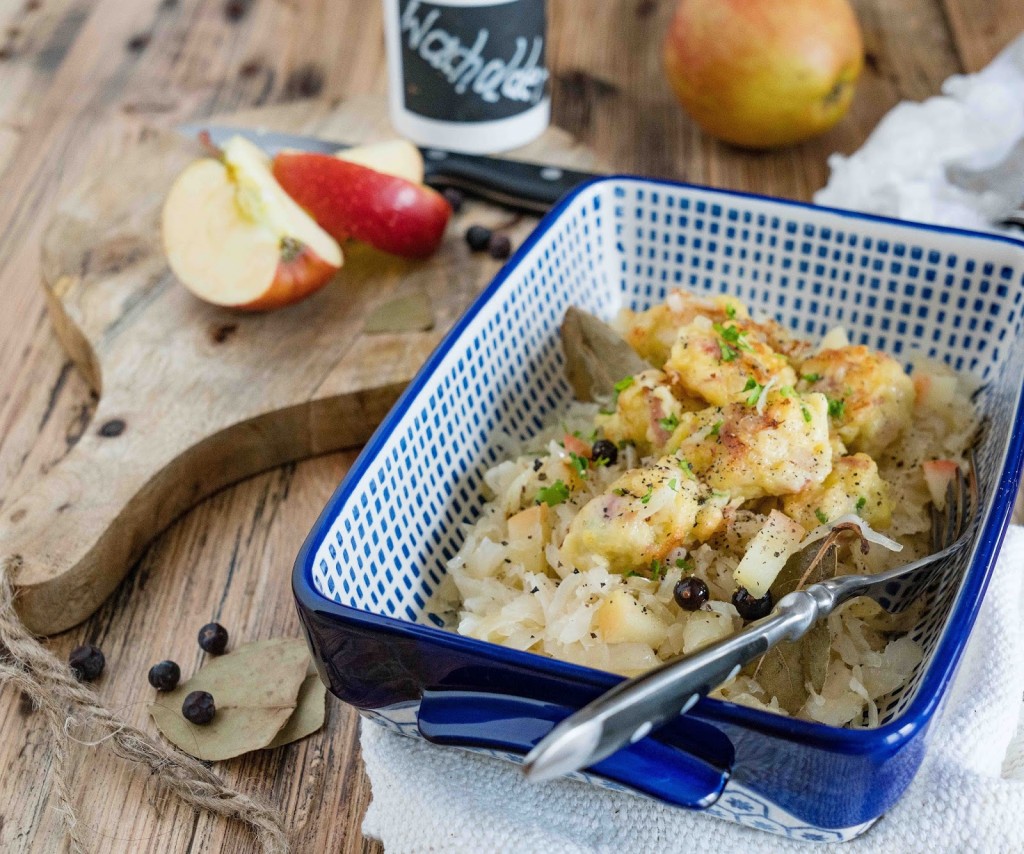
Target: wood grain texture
{"points": [[34, 37], [229, 558], [981, 28], [194, 397]]}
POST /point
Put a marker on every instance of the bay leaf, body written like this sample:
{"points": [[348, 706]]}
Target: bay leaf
{"points": [[797, 565], [780, 672], [309, 713], [596, 356], [255, 688], [406, 313], [816, 649]]}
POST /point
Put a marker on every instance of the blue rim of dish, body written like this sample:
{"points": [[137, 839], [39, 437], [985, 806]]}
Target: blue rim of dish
{"points": [[945, 658]]}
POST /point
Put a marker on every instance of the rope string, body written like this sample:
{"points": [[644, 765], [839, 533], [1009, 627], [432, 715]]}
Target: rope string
{"points": [[27, 665]]}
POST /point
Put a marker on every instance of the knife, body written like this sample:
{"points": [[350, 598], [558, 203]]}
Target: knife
{"points": [[528, 187]]}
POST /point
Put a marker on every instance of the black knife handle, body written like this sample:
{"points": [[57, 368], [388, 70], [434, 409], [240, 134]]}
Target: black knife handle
{"points": [[529, 187]]}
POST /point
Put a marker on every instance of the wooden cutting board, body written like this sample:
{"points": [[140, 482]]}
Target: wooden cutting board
{"points": [[195, 397]]}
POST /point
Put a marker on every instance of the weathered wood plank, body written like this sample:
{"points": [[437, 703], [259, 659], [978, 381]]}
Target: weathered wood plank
{"points": [[981, 28], [235, 552], [34, 38]]}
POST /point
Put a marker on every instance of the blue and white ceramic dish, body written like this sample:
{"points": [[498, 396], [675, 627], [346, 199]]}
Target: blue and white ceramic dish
{"points": [[367, 579]]}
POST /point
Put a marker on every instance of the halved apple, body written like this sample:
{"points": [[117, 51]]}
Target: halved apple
{"points": [[396, 157], [352, 200], [235, 238]]}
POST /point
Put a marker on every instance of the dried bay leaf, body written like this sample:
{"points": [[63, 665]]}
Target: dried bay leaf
{"points": [[596, 356], [309, 713], [780, 672], [255, 688], [407, 313], [816, 647], [796, 568]]}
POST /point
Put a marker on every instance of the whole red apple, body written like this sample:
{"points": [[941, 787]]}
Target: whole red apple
{"points": [[764, 73]]}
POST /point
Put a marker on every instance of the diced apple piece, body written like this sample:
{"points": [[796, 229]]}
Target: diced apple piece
{"points": [[621, 619], [938, 474], [934, 391], [835, 339], [395, 157], [235, 238], [528, 532], [351, 200], [575, 445], [704, 627], [767, 553]]}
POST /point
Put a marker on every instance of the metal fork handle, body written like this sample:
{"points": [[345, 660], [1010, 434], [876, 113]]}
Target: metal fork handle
{"points": [[632, 709]]}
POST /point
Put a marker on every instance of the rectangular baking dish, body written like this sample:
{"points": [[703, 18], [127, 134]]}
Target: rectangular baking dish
{"points": [[367, 579]]}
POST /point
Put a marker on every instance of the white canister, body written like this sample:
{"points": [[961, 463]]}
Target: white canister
{"points": [[468, 75]]}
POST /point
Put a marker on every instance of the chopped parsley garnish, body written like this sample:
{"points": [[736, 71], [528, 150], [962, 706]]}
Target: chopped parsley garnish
{"points": [[806, 413], [836, 407], [669, 423], [787, 391], [581, 464], [684, 563], [860, 503], [821, 516], [647, 498], [672, 484], [557, 493], [733, 340], [621, 492], [715, 428], [619, 387], [686, 466], [657, 569], [732, 335], [811, 378], [730, 311], [755, 388]]}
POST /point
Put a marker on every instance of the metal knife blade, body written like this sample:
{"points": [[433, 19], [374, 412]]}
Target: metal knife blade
{"points": [[528, 187]]}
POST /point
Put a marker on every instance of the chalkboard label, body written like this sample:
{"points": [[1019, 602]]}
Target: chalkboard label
{"points": [[472, 63]]}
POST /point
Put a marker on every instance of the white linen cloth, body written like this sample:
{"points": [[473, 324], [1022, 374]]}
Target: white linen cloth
{"points": [[969, 793]]}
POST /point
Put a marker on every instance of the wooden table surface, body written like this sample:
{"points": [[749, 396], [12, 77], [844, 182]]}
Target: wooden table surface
{"points": [[70, 68]]}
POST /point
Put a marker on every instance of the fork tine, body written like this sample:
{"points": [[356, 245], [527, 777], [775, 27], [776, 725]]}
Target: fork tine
{"points": [[956, 492], [938, 521]]}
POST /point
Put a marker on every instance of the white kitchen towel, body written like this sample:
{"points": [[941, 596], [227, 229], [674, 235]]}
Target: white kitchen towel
{"points": [[969, 793]]}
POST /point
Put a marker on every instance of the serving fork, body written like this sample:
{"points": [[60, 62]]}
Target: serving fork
{"points": [[638, 706]]}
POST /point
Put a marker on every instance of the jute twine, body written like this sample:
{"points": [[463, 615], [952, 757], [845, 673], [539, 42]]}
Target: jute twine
{"points": [[27, 665]]}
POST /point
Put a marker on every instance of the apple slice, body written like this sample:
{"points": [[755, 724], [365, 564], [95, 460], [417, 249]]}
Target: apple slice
{"points": [[934, 391], [235, 238], [352, 200], [938, 474], [394, 157], [621, 619]]}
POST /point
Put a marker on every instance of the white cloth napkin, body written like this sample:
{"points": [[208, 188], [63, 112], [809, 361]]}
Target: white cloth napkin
{"points": [[969, 793]]}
